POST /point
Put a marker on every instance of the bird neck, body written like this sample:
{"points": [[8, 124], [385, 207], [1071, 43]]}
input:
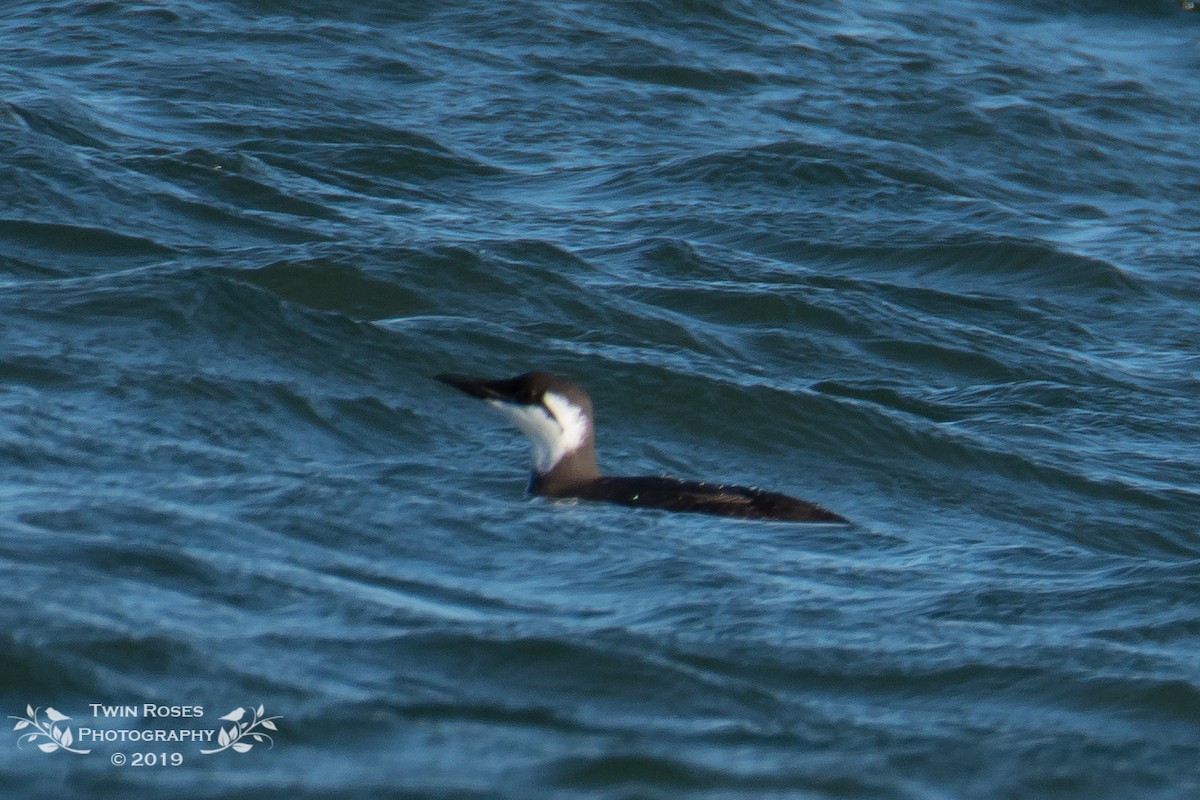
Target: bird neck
{"points": [[572, 470]]}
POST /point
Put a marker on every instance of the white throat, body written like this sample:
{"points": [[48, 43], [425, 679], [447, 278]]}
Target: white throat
{"points": [[556, 428]]}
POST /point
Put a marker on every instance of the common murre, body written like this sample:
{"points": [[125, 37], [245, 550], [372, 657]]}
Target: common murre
{"points": [[556, 415]]}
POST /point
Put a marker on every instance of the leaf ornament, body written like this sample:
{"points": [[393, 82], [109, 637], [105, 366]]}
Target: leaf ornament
{"points": [[231, 738], [57, 737]]}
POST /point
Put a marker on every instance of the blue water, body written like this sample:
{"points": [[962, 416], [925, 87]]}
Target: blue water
{"points": [[932, 265]]}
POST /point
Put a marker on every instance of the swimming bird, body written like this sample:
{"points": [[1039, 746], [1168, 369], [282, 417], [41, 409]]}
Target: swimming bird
{"points": [[556, 414]]}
